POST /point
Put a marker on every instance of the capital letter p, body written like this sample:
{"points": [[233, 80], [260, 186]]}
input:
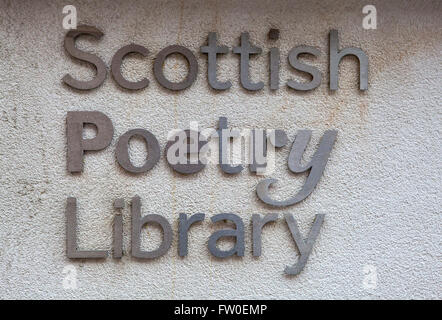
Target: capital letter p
{"points": [[75, 121]]}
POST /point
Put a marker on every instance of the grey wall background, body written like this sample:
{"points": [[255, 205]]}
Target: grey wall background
{"points": [[381, 188]]}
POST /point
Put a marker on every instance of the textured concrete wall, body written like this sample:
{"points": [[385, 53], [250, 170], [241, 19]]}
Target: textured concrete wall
{"points": [[381, 188]]}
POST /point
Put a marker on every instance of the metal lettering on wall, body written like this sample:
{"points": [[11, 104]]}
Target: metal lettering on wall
{"points": [[188, 151], [245, 50]]}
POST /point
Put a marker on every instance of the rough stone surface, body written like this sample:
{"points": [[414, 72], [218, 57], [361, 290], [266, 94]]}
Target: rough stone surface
{"points": [[381, 188]]}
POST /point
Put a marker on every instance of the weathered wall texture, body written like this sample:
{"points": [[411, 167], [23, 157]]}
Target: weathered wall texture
{"points": [[381, 188]]}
